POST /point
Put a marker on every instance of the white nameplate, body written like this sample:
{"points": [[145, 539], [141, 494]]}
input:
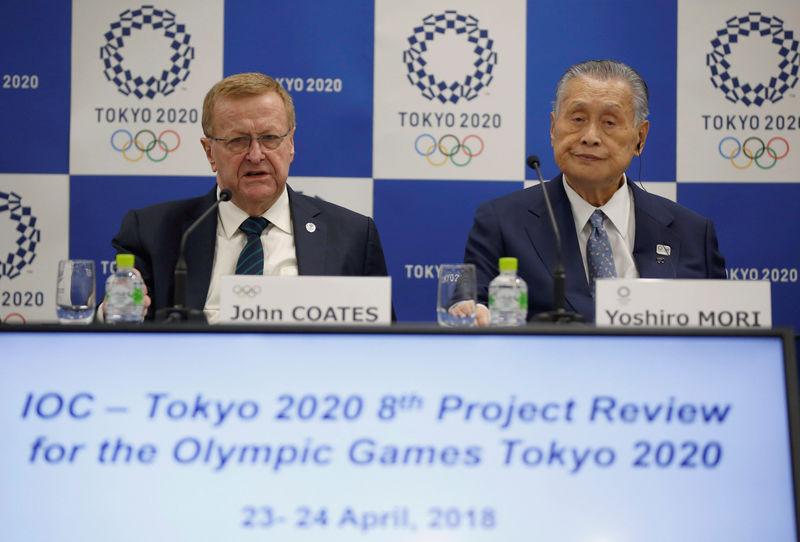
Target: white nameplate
{"points": [[681, 303], [248, 299]]}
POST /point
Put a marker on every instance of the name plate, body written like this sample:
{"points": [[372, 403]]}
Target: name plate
{"points": [[678, 303], [248, 299]]}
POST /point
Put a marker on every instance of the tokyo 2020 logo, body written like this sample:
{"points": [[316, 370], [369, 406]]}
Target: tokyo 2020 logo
{"points": [[786, 61], [178, 56], [28, 235], [477, 45]]}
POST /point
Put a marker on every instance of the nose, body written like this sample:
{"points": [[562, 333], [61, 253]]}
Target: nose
{"points": [[591, 134], [255, 153]]}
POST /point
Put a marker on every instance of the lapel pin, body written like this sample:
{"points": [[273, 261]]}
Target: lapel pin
{"points": [[660, 259], [663, 250], [311, 227]]}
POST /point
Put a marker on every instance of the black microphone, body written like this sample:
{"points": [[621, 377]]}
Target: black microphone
{"points": [[179, 312], [558, 315]]}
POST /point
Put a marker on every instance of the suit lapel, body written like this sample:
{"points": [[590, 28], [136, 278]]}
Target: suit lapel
{"points": [[653, 236], [310, 234], [200, 252], [576, 291]]}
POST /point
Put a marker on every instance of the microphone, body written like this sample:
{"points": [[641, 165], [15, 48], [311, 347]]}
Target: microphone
{"points": [[179, 312], [558, 315]]}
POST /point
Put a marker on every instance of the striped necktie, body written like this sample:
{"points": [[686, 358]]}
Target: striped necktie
{"points": [[598, 251], [251, 259]]}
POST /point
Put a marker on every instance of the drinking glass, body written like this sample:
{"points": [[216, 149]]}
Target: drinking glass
{"points": [[456, 299], [75, 292]]}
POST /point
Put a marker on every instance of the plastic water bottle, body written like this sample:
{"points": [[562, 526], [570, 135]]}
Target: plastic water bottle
{"points": [[508, 296], [124, 293]]}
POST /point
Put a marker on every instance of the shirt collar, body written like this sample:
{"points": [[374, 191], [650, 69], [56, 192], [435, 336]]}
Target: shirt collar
{"points": [[617, 209], [232, 216]]}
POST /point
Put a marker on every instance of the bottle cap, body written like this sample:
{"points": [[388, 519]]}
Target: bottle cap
{"points": [[125, 260], [508, 264]]}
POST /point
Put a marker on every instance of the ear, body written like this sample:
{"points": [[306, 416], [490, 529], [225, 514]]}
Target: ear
{"points": [[642, 131], [291, 144], [552, 126], [206, 143]]}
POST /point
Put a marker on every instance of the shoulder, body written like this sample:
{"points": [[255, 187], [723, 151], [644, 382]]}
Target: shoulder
{"points": [[664, 209], [176, 207], [518, 200], [318, 206]]}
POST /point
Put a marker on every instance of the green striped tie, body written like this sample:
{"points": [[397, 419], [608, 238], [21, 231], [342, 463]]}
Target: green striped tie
{"points": [[251, 259]]}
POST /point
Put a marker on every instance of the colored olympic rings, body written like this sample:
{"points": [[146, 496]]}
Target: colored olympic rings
{"points": [[454, 147], [247, 291], [145, 148], [753, 155]]}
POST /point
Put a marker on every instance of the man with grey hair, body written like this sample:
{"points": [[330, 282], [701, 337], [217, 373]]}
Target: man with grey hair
{"points": [[609, 227]]}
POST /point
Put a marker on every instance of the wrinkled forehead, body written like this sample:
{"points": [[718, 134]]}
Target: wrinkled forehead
{"points": [[262, 109], [606, 94]]}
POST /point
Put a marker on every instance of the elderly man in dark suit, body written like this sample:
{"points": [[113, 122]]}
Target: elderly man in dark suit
{"points": [[609, 227], [266, 228]]}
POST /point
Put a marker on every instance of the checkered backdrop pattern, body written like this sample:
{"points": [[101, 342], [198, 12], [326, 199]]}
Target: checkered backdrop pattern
{"points": [[411, 112]]}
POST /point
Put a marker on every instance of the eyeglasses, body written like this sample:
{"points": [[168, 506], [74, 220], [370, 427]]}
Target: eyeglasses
{"points": [[240, 144]]}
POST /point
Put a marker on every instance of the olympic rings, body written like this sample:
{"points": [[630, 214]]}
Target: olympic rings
{"points": [[457, 147], [753, 156], [133, 141], [246, 291], [15, 315]]}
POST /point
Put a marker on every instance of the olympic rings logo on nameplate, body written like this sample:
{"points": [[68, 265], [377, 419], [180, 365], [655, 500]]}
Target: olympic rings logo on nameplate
{"points": [[753, 155], [145, 148], [246, 291], [448, 147]]}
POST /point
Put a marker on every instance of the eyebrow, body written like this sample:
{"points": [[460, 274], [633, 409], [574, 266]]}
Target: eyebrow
{"points": [[576, 104]]}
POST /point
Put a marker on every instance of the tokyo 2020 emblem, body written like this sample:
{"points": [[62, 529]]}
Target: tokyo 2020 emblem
{"points": [[786, 59], [27, 235], [178, 54], [478, 46]]}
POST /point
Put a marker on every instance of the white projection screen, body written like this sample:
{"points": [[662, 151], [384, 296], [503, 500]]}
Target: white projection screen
{"points": [[397, 434]]}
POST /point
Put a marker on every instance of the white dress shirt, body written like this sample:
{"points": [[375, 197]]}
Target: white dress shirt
{"points": [[619, 223], [277, 239]]}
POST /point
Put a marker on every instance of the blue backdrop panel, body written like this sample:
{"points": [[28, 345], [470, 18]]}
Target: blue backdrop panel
{"points": [[330, 47], [752, 221], [426, 223], [640, 34], [100, 222], [35, 40], [317, 44]]}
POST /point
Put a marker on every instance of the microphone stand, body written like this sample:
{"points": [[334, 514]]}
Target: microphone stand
{"points": [[179, 312], [558, 315]]}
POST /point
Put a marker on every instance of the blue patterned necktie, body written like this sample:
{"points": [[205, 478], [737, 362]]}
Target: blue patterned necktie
{"points": [[251, 259], [598, 251]]}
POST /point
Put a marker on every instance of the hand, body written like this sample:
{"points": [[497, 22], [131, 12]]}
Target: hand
{"points": [[462, 309], [146, 301], [465, 309], [482, 316]]}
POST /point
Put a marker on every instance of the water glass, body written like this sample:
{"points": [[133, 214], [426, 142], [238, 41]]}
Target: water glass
{"points": [[75, 296], [456, 298]]}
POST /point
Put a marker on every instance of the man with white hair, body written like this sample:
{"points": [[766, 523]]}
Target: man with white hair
{"points": [[609, 227]]}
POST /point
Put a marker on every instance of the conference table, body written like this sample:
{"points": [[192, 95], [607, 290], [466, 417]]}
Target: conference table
{"points": [[397, 433]]}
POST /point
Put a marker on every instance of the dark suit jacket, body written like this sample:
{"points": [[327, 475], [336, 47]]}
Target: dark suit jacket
{"points": [[517, 225], [343, 243]]}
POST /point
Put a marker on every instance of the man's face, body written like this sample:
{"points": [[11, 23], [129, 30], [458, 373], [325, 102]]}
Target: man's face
{"points": [[595, 136], [256, 177]]}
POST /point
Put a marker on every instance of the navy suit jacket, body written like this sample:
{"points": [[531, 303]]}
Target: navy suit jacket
{"points": [[517, 225], [343, 243]]}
